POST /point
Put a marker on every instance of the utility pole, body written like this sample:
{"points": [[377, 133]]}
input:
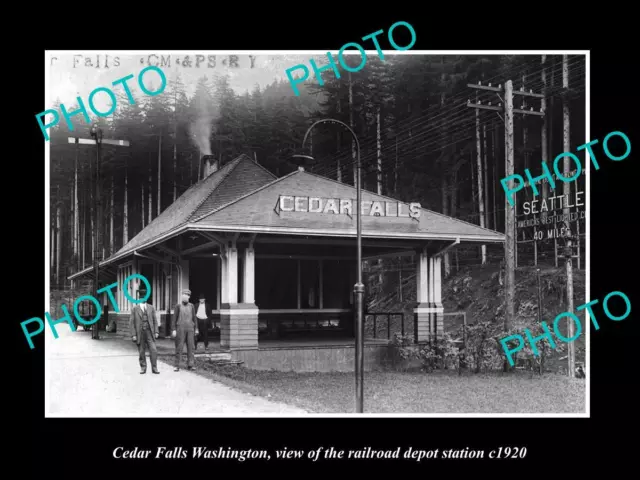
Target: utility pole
{"points": [[480, 191], [566, 190], [543, 140], [485, 167], [96, 132], [510, 213]]}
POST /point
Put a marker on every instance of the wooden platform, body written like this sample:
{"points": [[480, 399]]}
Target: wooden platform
{"points": [[298, 355]]}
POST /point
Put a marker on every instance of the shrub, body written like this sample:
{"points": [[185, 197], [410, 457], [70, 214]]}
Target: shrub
{"points": [[442, 353], [484, 351]]}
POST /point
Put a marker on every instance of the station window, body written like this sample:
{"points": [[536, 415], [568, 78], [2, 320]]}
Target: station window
{"points": [[276, 283]]}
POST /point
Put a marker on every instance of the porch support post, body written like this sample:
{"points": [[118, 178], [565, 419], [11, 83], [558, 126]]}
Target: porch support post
{"points": [[224, 298], [238, 321], [219, 280], [422, 310], [232, 275], [432, 331], [436, 305], [248, 295], [183, 281]]}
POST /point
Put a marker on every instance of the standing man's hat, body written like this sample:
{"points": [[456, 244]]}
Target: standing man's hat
{"points": [[201, 296], [186, 292]]}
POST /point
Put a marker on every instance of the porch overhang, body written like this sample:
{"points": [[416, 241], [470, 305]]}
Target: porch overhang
{"points": [[454, 240]]}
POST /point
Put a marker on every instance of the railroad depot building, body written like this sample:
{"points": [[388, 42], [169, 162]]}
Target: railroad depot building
{"points": [[276, 259]]}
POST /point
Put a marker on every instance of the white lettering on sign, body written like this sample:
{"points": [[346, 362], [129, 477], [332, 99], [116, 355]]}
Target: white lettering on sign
{"points": [[552, 203], [345, 206]]}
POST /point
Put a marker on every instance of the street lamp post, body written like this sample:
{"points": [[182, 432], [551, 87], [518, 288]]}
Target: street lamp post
{"points": [[358, 288], [96, 134]]}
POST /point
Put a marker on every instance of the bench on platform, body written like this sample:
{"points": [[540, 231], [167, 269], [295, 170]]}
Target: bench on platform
{"points": [[299, 325], [275, 324]]}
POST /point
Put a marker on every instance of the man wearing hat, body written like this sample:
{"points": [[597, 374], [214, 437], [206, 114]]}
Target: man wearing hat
{"points": [[144, 331], [184, 327], [203, 310]]}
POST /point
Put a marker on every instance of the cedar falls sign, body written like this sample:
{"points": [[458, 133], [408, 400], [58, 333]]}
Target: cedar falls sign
{"points": [[345, 206]]}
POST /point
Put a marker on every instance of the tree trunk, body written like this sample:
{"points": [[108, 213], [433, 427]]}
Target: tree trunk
{"points": [[175, 143], [83, 235], [543, 134], [150, 190], [487, 210], [445, 211], [159, 173], [52, 243], [76, 212], [379, 142], [474, 185], [191, 169], [353, 143], [566, 190], [494, 136], [58, 243], [94, 232], [92, 212], [175, 166], [338, 136], [125, 214], [142, 204], [454, 203], [112, 214], [395, 170], [555, 240]]}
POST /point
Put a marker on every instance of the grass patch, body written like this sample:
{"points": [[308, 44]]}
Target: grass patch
{"points": [[409, 392]]}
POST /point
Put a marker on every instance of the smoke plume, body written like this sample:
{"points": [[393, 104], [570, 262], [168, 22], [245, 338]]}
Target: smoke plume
{"points": [[202, 128], [201, 134]]}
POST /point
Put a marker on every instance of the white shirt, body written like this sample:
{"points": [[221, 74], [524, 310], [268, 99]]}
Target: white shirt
{"points": [[202, 312]]}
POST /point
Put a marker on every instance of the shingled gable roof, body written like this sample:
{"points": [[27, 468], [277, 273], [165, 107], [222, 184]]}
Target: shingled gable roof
{"points": [[235, 179], [256, 212]]}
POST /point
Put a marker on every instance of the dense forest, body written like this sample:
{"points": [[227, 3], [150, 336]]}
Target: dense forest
{"points": [[420, 142]]}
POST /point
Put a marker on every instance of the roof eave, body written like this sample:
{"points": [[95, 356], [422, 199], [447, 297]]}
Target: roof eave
{"points": [[349, 233], [172, 233]]}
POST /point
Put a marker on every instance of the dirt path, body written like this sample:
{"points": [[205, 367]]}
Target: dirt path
{"points": [[89, 378]]}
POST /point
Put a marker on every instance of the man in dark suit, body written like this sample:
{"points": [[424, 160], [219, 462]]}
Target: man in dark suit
{"points": [[184, 328], [144, 331], [203, 316]]}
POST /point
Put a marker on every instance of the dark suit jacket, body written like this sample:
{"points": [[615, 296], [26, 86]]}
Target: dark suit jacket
{"points": [[135, 321], [176, 315]]}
